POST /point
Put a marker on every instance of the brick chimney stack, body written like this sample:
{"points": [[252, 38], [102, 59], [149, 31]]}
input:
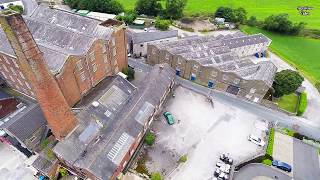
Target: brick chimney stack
{"points": [[60, 118]]}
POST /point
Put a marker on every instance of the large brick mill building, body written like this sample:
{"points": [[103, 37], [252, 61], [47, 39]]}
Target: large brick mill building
{"points": [[69, 65], [223, 62]]}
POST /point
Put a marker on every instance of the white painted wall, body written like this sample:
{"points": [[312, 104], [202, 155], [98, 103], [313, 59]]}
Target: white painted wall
{"points": [[137, 49]]}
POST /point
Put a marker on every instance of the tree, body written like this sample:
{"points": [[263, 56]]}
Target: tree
{"points": [[240, 15], [252, 21], [161, 24], [174, 8], [104, 6], [232, 15], [128, 17], [226, 13], [156, 176], [16, 8], [149, 139], [280, 23], [286, 82], [148, 7], [129, 72]]}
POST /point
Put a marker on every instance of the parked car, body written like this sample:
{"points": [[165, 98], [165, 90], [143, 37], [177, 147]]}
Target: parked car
{"points": [[225, 168], [217, 172], [226, 159], [219, 164], [256, 140], [223, 176], [169, 117], [281, 165]]}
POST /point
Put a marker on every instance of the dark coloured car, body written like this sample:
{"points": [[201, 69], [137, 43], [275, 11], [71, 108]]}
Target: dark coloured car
{"points": [[281, 165]]}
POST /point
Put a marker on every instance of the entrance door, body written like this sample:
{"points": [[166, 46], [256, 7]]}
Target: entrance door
{"points": [[178, 72], [210, 84], [193, 77]]}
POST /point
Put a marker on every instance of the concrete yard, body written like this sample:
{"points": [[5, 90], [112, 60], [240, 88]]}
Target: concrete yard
{"points": [[203, 132], [13, 164]]}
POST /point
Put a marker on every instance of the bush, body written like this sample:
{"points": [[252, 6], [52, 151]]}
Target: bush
{"points": [[129, 72], [162, 24], [63, 172], [104, 6], [281, 24], [302, 104], [270, 143], [252, 21], [238, 15], [156, 176], [183, 159], [16, 8], [267, 162], [288, 132], [128, 18], [149, 138], [286, 82], [318, 86]]}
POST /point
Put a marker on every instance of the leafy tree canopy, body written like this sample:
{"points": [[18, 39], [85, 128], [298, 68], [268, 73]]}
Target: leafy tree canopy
{"points": [[286, 82], [280, 23], [174, 8], [148, 7], [104, 6]]}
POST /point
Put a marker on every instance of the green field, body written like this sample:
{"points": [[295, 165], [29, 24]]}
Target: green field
{"points": [[258, 8], [288, 102], [302, 53]]}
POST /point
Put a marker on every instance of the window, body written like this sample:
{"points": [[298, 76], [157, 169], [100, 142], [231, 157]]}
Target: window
{"points": [[15, 63], [104, 48], [114, 52], [28, 85], [214, 73], [5, 67], [21, 75], [105, 58], [6, 59], [91, 56], [225, 77], [113, 41], [179, 60], [141, 45], [83, 76], [13, 71], [236, 81], [167, 56], [79, 65], [154, 51], [94, 67], [195, 67]]}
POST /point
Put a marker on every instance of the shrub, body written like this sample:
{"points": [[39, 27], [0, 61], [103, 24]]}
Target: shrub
{"points": [[183, 159], [252, 21], [298, 136], [270, 142], [128, 18], [156, 176], [267, 162], [302, 104], [162, 24], [129, 72], [16, 8], [63, 172], [149, 138], [281, 24], [318, 86], [289, 132], [238, 15]]}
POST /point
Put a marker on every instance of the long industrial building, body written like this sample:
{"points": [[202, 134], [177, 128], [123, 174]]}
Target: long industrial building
{"points": [[223, 62]]}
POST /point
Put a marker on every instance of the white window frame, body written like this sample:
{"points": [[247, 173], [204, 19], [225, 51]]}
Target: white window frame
{"points": [[83, 76], [79, 65], [94, 67]]}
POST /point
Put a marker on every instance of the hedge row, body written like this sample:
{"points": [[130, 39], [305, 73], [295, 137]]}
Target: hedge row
{"points": [[270, 142], [302, 104]]}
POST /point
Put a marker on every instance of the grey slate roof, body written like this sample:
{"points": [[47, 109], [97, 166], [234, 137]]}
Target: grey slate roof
{"points": [[142, 37], [60, 34], [106, 132], [4, 95], [217, 52]]}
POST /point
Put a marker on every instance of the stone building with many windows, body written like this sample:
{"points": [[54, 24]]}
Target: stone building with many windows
{"points": [[223, 62]]}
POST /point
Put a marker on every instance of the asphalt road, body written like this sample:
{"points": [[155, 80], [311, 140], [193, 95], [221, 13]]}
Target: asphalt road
{"points": [[305, 161], [282, 119], [29, 6], [254, 170]]}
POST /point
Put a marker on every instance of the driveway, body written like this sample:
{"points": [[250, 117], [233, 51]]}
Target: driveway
{"points": [[305, 161], [253, 171]]}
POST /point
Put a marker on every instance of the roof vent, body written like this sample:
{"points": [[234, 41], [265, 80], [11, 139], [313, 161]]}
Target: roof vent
{"points": [[95, 104]]}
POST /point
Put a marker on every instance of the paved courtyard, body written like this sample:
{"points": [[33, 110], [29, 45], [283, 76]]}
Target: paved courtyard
{"points": [[13, 165], [202, 131]]}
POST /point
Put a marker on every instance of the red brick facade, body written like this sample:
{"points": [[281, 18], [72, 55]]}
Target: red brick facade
{"points": [[7, 106], [31, 62]]}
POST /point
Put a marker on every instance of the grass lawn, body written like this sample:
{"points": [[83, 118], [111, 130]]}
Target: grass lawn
{"points": [[258, 8], [288, 102], [302, 53]]}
